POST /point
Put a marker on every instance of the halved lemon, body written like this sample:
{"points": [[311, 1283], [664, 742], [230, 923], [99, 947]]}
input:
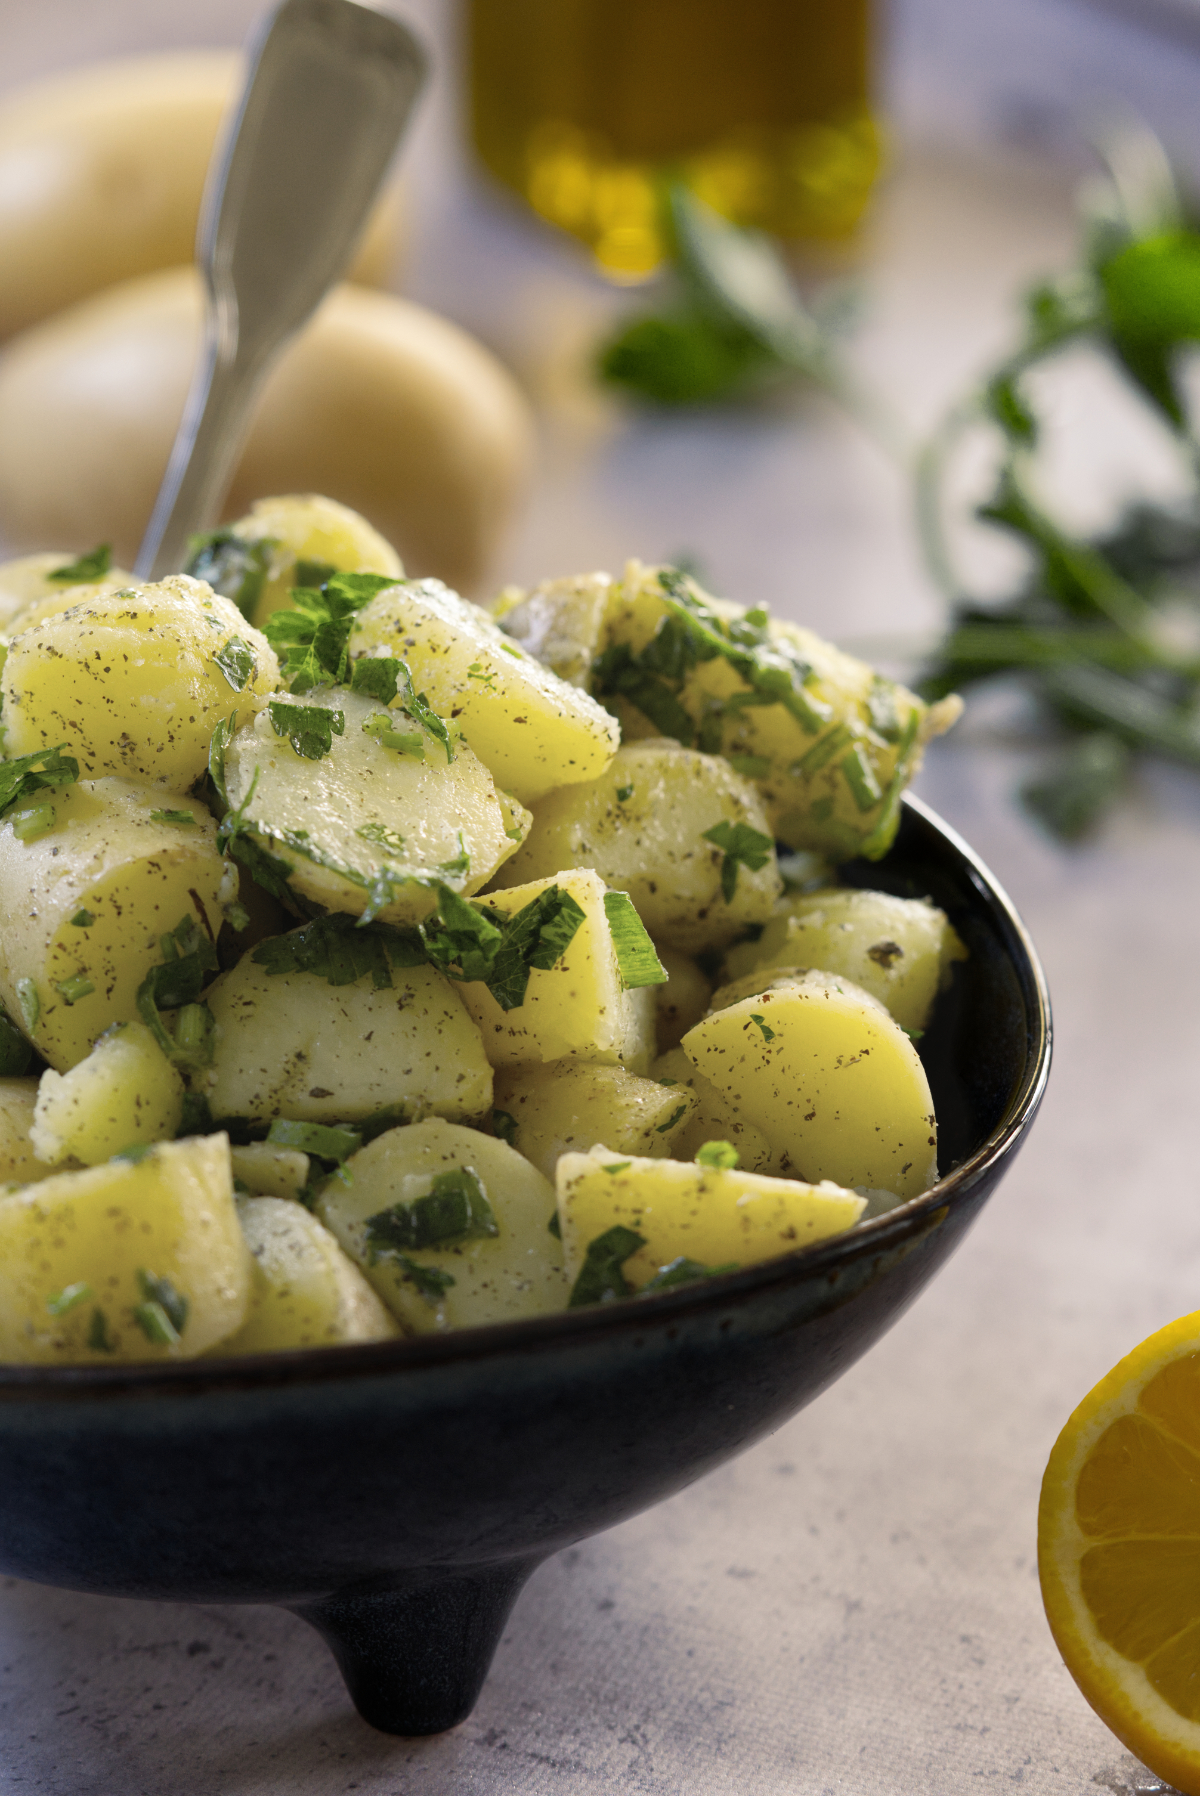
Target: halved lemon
{"points": [[1119, 1550]]}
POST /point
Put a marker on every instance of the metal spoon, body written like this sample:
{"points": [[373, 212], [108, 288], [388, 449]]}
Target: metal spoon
{"points": [[329, 92]]}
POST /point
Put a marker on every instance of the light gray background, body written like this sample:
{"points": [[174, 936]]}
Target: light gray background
{"points": [[852, 1606]]}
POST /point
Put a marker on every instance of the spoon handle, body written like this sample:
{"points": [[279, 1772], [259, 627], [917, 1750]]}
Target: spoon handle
{"points": [[330, 89]]}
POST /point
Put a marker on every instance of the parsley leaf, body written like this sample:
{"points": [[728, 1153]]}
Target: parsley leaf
{"points": [[376, 676], [720, 1155], [327, 1143], [430, 1281], [742, 847], [184, 819], [236, 661], [92, 566], [339, 949], [637, 962], [684, 1272], [309, 728], [455, 1208], [15, 1052], [26, 774], [189, 963], [601, 1277], [234, 566], [477, 942], [312, 639]]}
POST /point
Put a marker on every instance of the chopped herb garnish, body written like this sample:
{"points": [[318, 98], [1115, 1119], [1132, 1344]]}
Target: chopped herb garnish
{"points": [[72, 990], [64, 1301], [162, 1293], [742, 847], [27, 774], [421, 712], [234, 566], [155, 1324], [601, 1278], [136, 1152], [311, 639], [382, 726], [666, 1127], [92, 566], [32, 822], [430, 1281], [183, 819], [391, 1116], [83, 919], [327, 1143], [456, 1208], [460, 865], [482, 675], [617, 1166], [637, 962], [624, 793], [309, 728], [554, 1226], [337, 948], [218, 743], [684, 1272], [860, 777], [474, 942], [236, 661], [266, 870], [189, 963], [382, 836], [197, 1118], [504, 1126], [768, 1034], [375, 676], [722, 1156], [98, 1339], [30, 1003]]}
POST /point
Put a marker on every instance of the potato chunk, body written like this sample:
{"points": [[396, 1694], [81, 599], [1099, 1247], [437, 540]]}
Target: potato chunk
{"points": [[564, 1108], [578, 1008], [134, 682], [531, 730], [291, 529], [29, 591], [450, 1227], [19, 1164], [293, 1045], [715, 1217], [305, 1292], [898, 949], [125, 1094], [124, 1261], [646, 827], [88, 901], [835, 1085], [269, 1171], [561, 621], [713, 1119], [365, 822]]}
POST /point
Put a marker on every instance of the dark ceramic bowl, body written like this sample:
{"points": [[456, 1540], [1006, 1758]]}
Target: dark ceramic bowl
{"points": [[397, 1495]]}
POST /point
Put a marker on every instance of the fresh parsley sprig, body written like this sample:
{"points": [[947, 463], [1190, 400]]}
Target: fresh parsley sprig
{"points": [[312, 640], [481, 942], [47, 768]]}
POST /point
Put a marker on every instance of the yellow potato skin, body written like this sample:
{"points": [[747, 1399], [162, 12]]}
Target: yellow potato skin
{"points": [[134, 877], [121, 151], [171, 1214], [305, 1292], [125, 1094], [377, 402], [716, 1217], [129, 683], [835, 1085]]}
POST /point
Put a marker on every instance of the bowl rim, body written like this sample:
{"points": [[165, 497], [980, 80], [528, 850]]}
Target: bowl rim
{"points": [[566, 1328]]}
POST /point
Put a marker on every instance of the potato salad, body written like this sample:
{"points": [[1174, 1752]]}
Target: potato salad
{"points": [[375, 964]]}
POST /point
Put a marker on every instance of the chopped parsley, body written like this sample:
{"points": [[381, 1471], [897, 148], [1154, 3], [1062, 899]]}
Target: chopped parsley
{"points": [[83, 919], [456, 1208], [637, 962], [382, 836], [312, 640], [183, 819], [742, 847], [665, 1128], [722, 1156], [381, 726], [26, 774], [768, 1034], [430, 1281], [189, 962], [92, 566], [485, 677], [197, 1118], [624, 793], [98, 1338], [554, 1226], [64, 1301], [418, 708], [33, 822], [234, 566], [601, 1278], [617, 1166], [236, 661], [163, 1312], [504, 1126], [337, 948], [135, 1153], [72, 990], [327, 1143], [476, 942], [376, 676], [309, 728]]}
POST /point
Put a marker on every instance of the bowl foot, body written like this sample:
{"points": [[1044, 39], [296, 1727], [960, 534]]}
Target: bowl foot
{"points": [[415, 1651]]}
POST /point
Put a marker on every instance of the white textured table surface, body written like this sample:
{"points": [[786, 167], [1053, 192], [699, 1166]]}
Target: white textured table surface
{"points": [[852, 1606]]}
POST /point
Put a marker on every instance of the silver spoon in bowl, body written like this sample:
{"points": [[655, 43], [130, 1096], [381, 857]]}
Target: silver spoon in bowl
{"points": [[330, 89]]}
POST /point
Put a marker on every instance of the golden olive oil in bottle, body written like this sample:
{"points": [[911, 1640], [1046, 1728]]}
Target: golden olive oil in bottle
{"points": [[761, 105]]}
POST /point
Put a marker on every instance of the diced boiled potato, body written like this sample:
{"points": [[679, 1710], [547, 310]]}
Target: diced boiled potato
{"points": [[269, 1171], [643, 827], [682, 1001], [87, 902], [565, 1107], [28, 591], [134, 682], [532, 731], [293, 1045], [367, 823], [561, 621], [835, 1085], [19, 1164], [463, 1279], [713, 1119], [125, 1094], [124, 1261], [717, 1218], [578, 1008], [306, 527], [898, 949], [305, 1292], [828, 742]]}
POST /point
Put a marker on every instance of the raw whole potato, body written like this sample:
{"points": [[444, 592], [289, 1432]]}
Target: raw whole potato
{"points": [[134, 682], [531, 730], [124, 1261], [377, 403], [305, 1292], [292, 1045], [101, 173], [87, 903], [715, 1217], [545, 1111], [644, 826], [833, 1083], [504, 1263]]}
